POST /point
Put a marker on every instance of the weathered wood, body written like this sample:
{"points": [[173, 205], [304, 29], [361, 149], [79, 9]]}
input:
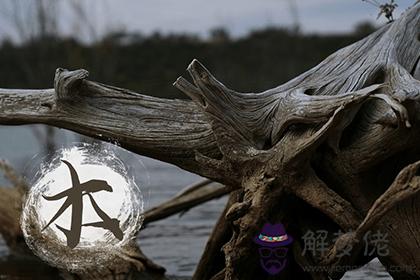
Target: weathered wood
{"points": [[169, 130], [335, 137], [212, 259], [406, 185]]}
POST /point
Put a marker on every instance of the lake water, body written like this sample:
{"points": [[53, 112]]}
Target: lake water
{"points": [[176, 242]]}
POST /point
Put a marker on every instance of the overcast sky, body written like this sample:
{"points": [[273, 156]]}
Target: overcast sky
{"points": [[198, 16]]}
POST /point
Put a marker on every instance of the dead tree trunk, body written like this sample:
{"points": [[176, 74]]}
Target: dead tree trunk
{"points": [[322, 151]]}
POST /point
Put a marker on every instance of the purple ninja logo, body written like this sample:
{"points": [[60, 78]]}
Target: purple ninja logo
{"points": [[272, 250]]}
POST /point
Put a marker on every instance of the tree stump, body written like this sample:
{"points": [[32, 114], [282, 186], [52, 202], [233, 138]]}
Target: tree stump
{"points": [[335, 148]]}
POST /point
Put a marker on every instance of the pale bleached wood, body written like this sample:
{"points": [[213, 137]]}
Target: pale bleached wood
{"points": [[343, 122]]}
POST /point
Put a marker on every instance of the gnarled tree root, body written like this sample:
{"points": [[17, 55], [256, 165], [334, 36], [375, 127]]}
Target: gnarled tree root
{"points": [[331, 140]]}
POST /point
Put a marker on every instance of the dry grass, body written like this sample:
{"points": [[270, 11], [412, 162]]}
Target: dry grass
{"points": [[11, 175], [11, 199]]}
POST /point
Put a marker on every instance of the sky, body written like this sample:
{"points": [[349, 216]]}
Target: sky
{"points": [[199, 16]]}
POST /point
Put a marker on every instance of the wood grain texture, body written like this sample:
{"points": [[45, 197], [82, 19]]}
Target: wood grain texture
{"points": [[332, 140]]}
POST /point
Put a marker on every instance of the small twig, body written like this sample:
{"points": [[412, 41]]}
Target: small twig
{"points": [[185, 201]]}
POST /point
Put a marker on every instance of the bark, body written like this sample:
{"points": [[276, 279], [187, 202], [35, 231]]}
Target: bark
{"points": [[332, 140]]}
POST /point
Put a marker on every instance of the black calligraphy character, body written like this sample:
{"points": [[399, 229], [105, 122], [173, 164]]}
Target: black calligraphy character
{"points": [[112, 225], [74, 196]]}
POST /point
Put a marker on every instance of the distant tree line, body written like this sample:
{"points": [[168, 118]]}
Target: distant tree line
{"points": [[150, 64]]}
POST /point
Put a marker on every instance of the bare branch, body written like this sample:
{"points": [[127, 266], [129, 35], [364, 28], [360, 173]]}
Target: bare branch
{"points": [[168, 130], [185, 201]]}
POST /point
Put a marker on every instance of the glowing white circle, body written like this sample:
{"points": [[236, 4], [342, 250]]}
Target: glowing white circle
{"points": [[97, 246]]}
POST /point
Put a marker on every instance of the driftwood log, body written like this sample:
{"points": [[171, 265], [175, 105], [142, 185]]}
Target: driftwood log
{"points": [[336, 148]]}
